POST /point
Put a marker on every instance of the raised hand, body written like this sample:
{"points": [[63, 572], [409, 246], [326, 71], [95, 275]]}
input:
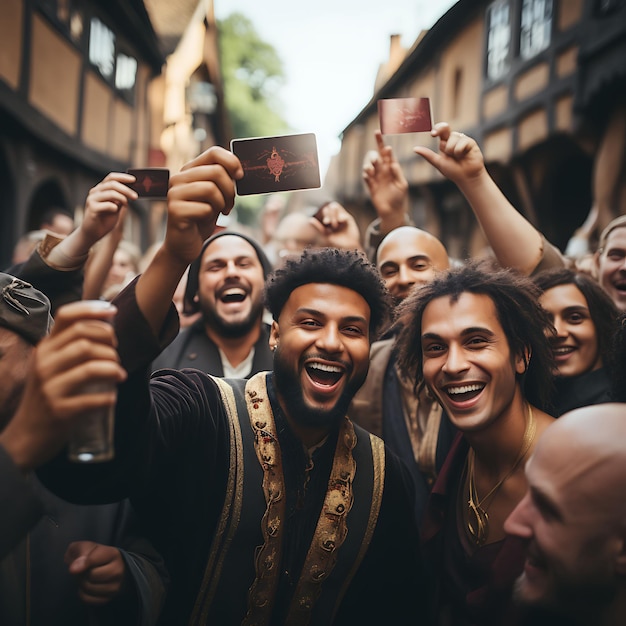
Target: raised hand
{"points": [[104, 202], [459, 158], [202, 190], [386, 183]]}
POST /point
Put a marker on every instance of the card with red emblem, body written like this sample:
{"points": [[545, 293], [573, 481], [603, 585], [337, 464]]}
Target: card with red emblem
{"points": [[283, 163], [152, 182], [404, 115]]}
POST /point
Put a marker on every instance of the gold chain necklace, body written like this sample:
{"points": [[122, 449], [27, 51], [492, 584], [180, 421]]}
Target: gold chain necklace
{"points": [[477, 517]]}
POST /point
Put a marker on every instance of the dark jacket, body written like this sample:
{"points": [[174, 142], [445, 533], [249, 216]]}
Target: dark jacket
{"points": [[20, 505], [578, 391], [193, 348]]}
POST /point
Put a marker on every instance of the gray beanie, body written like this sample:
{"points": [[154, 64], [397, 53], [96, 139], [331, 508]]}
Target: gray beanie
{"points": [[23, 309]]}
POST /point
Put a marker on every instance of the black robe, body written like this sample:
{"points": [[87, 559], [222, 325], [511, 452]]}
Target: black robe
{"points": [[34, 574], [586, 389], [172, 460]]}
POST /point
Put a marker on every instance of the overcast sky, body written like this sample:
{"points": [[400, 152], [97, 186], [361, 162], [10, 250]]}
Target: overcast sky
{"points": [[331, 50]]}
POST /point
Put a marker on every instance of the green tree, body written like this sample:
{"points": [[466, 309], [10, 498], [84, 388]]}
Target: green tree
{"points": [[253, 74]]}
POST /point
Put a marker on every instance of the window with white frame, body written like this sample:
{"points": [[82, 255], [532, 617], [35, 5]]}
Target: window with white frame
{"points": [[535, 27], [498, 39], [102, 48], [125, 72]]}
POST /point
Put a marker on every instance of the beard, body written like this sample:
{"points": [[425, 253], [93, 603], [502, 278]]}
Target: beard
{"points": [[288, 385], [231, 329], [567, 598]]}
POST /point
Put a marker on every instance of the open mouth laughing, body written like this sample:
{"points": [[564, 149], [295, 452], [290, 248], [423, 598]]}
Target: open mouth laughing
{"points": [[324, 378], [325, 375], [619, 284], [463, 393], [232, 295]]}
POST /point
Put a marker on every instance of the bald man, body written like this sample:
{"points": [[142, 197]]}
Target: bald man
{"points": [[412, 426], [573, 518], [409, 256]]}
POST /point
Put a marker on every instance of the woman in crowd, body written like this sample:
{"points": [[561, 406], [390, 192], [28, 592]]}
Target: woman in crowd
{"points": [[584, 317]]}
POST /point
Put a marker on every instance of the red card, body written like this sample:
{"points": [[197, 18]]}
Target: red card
{"points": [[404, 115], [152, 182], [283, 163]]}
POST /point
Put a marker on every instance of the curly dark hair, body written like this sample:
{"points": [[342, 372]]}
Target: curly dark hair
{"points": [[524, 322], [602, 310], [346, 268]]}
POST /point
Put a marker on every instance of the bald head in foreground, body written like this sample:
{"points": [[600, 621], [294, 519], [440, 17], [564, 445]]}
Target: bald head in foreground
{"points": [[573, 518]]}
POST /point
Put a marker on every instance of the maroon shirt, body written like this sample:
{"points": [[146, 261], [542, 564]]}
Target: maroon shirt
{"points": [[472, 585]]}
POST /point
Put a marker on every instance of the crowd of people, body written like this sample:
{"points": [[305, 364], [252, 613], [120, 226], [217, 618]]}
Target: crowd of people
{"points": [[316, 426]]}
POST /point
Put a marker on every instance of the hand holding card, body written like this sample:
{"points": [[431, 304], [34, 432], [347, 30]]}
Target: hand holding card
{"points": [[271, 164], [151, 182], [404, 115]]}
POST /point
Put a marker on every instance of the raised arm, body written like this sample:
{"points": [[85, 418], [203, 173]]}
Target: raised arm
{"points": [[387, 186], [461, 160], [389, 192], [202, 190], [105, 210], [56, 265], [101, 215]]}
